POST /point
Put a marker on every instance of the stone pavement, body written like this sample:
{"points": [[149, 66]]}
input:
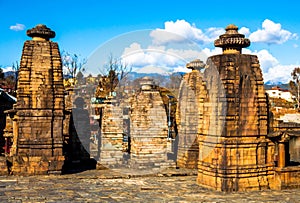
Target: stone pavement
{"points": [[172, 185]]}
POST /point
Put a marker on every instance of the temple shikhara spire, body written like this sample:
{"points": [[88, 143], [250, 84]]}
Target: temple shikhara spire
{"points": [[38, 122]]}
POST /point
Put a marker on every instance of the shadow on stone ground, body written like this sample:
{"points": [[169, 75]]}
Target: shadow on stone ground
{"points": [[71, 167]]}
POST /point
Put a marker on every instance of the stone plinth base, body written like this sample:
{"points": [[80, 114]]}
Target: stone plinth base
{"points": [[3, 166], [287, 178], [187, 158], [236, 179], [252, 179], [111, 158], [147, 161], [37, 165]]}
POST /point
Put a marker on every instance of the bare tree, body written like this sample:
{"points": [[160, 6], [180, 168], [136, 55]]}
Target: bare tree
{"points": [[175, 80], [1, 74], [116, 71], [116, 65], [16, 67], [112, 78], [72, 63], [295, 84], [12, 78]]}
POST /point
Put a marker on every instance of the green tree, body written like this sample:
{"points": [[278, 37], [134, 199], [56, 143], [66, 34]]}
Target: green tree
{"points": [[295, 84]]}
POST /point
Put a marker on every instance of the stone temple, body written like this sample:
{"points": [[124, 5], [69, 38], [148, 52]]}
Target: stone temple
{"points": [[149, 128], [220, 124], [236, 151], [189, 115], [39, 111], [135, 132]]}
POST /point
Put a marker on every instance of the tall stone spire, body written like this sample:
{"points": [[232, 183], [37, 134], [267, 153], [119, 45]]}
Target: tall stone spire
{"points": [[38, 128], [232, 42], [233, 146], [189, 113]]}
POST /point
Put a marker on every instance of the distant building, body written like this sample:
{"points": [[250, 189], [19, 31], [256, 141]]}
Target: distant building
{"points": [[5, 97], [7, 87], [279, 93]]}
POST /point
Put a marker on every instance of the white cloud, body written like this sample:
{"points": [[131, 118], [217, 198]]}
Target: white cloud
{"points": [[152, 69], [161, 57], [266, 59], [181, 69], [136, 56], [271, 33], [155, 58], [279, 74], [271, 68], [171, 59], [245, 31], [182, 31], [210, 52], [188, 54], [273, 71], [17, 27], [213, 33]]}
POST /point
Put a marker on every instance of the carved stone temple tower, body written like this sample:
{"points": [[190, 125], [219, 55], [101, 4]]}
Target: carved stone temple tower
{"points": [[38, 122], [234, 153], [189, 115]]}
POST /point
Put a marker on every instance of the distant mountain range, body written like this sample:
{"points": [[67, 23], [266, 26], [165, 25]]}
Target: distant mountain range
{"points": [[134, 75], [283, 86], [9, 73], [273, 82], [269, 84]]}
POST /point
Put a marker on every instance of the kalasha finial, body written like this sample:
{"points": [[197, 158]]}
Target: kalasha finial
{"points": [[147, 83], [196, 64], [232, 42], [40, 32]]}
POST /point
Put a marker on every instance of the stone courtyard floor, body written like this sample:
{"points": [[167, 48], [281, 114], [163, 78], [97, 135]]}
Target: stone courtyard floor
{"points": [[172, 185]]}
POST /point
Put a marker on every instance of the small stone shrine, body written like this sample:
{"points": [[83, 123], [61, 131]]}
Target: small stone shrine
{"points": [[149, 129], [39, 111], [190, 115]]}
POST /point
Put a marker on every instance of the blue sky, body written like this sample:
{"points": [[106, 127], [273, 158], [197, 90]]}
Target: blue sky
{"points": [[83, 26]]}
